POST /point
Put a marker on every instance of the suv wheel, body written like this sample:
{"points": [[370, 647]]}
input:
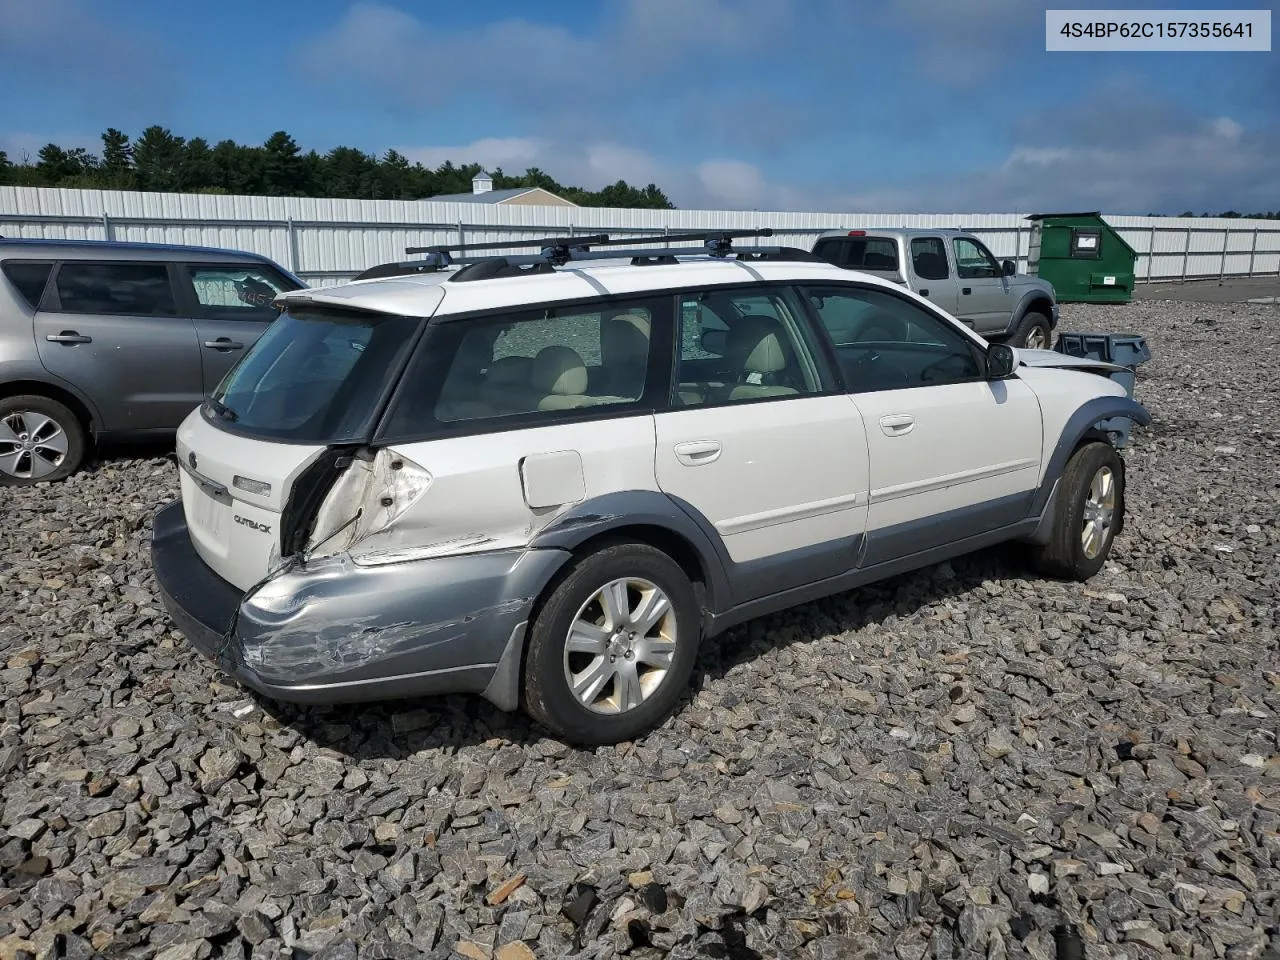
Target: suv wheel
{"points": [[612, 649], [40, 439], [1088, 515], [1034, 332]]}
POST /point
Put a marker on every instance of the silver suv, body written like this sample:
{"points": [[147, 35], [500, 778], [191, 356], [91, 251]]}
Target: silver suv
{"points": [[956, 272], [117, 340]]}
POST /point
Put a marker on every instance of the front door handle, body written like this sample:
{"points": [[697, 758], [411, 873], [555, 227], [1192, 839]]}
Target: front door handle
{"points": [[966, 290], [695, 453], [897, 425], [69, 337], [924, 292], [224, 343]]}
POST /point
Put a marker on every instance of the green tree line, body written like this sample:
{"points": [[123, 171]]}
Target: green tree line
{"points": [[158, 160]]}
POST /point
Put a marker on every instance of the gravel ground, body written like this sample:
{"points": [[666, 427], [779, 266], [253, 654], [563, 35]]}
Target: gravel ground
{"points": [[947, 764]]}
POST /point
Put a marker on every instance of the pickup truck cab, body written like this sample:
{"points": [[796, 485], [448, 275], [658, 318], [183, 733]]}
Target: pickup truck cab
{"points": [[957, 273]]}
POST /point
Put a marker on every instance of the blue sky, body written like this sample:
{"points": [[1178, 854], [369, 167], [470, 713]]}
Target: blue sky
{"points": [[898, 105]]}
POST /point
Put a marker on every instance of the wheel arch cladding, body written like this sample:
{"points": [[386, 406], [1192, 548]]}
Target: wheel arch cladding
{"points": [[1081, 425], [646, 516], [1036, 301]]}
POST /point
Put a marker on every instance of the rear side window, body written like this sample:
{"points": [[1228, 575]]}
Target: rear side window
{"points": [[121, 289], [929, 258], [235, 292], [533, 363], [859, 253], [28, 278]]}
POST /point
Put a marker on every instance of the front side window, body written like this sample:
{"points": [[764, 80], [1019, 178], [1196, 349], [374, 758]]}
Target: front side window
{"points": [[885, 342], [28, 278], [929, 258], [315, 376], [120, 289], [530, 363], [744, 345], [235, 292], [973, 260]]}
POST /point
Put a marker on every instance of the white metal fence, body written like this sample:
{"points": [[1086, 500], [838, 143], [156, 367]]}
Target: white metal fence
{"points": [[326, 241]]}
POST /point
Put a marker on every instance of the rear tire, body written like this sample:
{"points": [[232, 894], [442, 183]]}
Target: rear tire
{"points": [[1088, 514], [40, 440], [612, 649], [1034, 332]]}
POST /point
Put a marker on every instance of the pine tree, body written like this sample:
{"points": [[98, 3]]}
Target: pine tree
{"points": [[158, 158], [282, 167], [117, 159]]}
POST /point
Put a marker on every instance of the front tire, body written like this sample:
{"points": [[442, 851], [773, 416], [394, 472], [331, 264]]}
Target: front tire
{"points": [[613, 647], [1034, 332], [1087, 516], [40, 440]]}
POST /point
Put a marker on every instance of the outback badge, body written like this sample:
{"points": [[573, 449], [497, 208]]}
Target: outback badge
{"points": [[251, 524]]}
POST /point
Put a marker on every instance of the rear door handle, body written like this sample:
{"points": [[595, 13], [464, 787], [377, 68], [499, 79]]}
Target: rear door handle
{"points": [[924, 292], [224, 343], [695, 453], [897, 425], [68, 337]]}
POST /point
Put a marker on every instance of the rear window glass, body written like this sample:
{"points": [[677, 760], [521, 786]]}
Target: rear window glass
{"points": [[859, 253], [29, 278], [314, 376]]}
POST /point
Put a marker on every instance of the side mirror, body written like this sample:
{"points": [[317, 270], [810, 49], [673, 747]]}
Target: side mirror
{"points": [[1001, 361], [1009, 268], [715, 341]]}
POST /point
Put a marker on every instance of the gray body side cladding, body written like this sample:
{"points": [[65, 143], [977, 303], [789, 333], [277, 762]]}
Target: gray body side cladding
{"points": [[354, 632]]}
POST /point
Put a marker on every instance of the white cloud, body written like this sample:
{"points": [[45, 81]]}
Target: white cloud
{"points": [[515, 154], [715, 183], [544, 68], [732, 183]]}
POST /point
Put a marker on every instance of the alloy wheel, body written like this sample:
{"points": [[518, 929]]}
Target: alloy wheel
{"points": [[620, 646], [1099, 512], [32, 445]]}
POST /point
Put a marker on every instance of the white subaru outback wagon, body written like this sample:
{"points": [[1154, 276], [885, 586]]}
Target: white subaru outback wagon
{"points": [[547, 478]]}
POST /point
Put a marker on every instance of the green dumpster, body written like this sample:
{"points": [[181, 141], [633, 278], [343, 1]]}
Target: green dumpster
{"points": [[1082, 256]]}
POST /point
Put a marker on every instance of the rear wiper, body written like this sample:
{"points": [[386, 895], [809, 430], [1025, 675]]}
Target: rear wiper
{"points": [[221, 409]]}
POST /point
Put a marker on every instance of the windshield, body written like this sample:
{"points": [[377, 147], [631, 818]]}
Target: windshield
{"points": [[315, 376]]}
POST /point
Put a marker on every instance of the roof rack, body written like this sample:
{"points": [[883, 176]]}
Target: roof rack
{"points": [[555, 252]]}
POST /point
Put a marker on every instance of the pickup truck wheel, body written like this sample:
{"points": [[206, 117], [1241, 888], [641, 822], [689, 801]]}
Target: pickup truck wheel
{"points": [[1088, 514], [1034, 332], [613, 647], [40, 440]]}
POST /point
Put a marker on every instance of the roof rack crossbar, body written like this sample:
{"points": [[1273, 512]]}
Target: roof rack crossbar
{"points": [[541, 243]]}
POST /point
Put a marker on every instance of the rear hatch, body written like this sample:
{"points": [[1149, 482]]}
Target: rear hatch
{"points": [[315, 380]]}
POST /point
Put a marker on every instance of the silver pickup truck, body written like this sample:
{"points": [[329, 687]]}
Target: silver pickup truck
{"points": [[957, 272]]}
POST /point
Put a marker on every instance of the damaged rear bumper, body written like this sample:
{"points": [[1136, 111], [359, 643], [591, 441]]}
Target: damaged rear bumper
{"points": [[335, 631]]}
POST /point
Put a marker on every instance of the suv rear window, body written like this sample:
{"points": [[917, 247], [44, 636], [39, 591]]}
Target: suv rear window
{"points": [[121, 289], [315, 376], [859, 253], [29, 277]]}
